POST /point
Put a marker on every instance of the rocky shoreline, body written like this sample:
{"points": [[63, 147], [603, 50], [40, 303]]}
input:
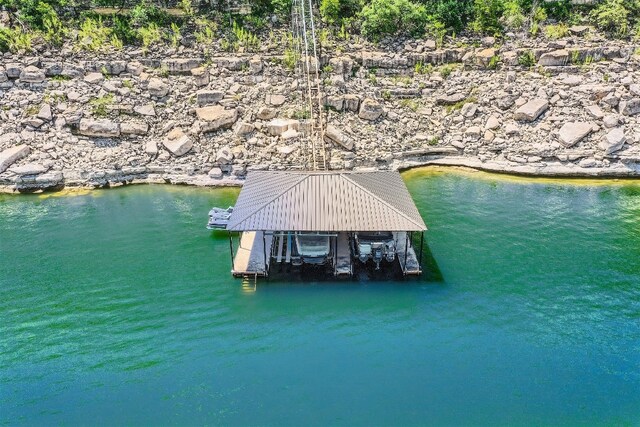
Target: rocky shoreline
{"points": [[567, 107]]}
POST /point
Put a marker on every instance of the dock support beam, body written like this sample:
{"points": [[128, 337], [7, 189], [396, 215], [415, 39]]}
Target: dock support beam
{"points": [[421, 247], [231, 249], [264, 253]]}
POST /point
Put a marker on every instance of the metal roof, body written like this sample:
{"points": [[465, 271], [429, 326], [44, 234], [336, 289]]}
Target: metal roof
{"points": [[325, 201]]}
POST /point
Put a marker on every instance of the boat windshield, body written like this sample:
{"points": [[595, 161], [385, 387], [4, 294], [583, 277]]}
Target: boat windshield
{"points": [[313, 246], [379, 236]]}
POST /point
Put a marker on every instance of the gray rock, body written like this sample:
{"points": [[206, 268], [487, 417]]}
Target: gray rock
{"points": [[266, 113], [32, 74], [595, 111], [469, 109], [181, 65], [613, 141], [145, 110], [134, 128], [134, 68], [29, 169], [333, 134], [157, 88], [45, 113], [224, 156], [215, 173], [370, 110], [244, 128], [13, 70], [351, 103], [94, 78], [635, 89], [101, 128], [177, 142], [611, 121], [12, 155], [572, 132], [151, 148], [277, 127], [208, 97], [201, 76], [276, 100], [555, 58], [216, 117], [579, 30], [473, 132], [630, 107], [531, 110], [492, 123], [451, 99]]}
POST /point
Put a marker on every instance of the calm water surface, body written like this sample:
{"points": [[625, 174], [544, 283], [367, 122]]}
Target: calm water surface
{"points": [[117, 307]]}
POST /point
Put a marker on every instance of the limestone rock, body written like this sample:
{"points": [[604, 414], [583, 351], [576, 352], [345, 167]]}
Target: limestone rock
{"points": [[613, 141], [289, 134], [181, 65], [635, 89], [469, 109], [630, 107], [29, 169], [473, 133], [145, 110], [12, 155], [13, 70], [531, 110], [134, 68], [370, 109], [94, 78], [201, 76], [101, 128], [333, 134], [208, 97], [157, 88], [276, 100], [216, 117], [32, 74], [451, 99], [351, 103], [215, 173], [224, 156], [244, 128], [151, 148], [266, 113], [595, 111], [277, 127], [572, 132], [492, 123], [483, 58], [555, 58], [134, 128], [45, 113], [611, 121], [177, 142]]}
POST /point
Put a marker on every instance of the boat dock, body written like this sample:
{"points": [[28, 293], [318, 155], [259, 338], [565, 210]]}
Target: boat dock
{"points": [[336, 222]]}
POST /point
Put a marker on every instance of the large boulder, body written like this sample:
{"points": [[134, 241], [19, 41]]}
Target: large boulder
{"points": [[370, 109], [12, 155], [630, 107], [555, 58], [277, 127], [333, 134], [181, 65], [224, 156], [157, 88], [208, 97], [483, 58], [101, 128], [177, 142], [572, 132], [531, 110], [613, 141], [32, 74], [451, 99], [216, 117]]}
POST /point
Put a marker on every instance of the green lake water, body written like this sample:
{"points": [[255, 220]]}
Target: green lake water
{"points": [[117, 307]]}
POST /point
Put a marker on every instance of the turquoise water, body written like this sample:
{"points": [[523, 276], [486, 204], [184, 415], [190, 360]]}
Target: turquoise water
{"points": [[117, 307]]}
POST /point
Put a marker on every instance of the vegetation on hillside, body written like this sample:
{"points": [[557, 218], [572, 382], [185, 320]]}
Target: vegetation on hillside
{"points": [[111, 24]]}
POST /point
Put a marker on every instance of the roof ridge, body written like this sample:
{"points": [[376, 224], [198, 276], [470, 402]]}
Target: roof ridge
{"points": [[271, 200], [380, 199]]}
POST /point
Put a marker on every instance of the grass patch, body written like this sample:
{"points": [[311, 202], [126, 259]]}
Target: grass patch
{"points": [[100, 106], [458, 105]]}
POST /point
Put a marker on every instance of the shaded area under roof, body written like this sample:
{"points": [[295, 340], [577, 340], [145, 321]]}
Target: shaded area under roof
{"points": [[325, 201]]}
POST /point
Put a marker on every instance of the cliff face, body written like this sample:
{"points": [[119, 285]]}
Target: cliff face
{"points": [[567, 107]]}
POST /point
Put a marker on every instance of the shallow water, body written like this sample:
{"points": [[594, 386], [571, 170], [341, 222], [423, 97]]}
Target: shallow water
{"points": [[117, 307]]}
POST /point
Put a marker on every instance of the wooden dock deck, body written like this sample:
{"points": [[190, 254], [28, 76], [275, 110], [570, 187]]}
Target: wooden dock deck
{"points": [[250, 256], [412, 265]]}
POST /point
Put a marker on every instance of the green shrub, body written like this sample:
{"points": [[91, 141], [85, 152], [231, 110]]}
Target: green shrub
{"points": [[446, 70], [538, 15], [121, 28], [149, 35], [487, 16], [205, 31], [527, 59], [15, 40], [386, 17], [421, 68], [512, 17], [175, 36], [556, 31], [437, 30], [93, 35], [454, 14], [100, 106], [611, 16], [330, 11]]}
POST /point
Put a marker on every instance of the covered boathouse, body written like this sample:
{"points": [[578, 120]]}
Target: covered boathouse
{"points": [[340, 221]]}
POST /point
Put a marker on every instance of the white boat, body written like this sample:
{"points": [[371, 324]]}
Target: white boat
{"points": [[219, 218]]}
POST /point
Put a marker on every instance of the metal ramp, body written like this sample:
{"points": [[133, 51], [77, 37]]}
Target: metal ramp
{"points": [[344, 265], [250, 259]]}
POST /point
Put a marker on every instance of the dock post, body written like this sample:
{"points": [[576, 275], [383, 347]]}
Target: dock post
{"points": [[421, 247], [231, 249], [406, 252], [264, 253]]}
